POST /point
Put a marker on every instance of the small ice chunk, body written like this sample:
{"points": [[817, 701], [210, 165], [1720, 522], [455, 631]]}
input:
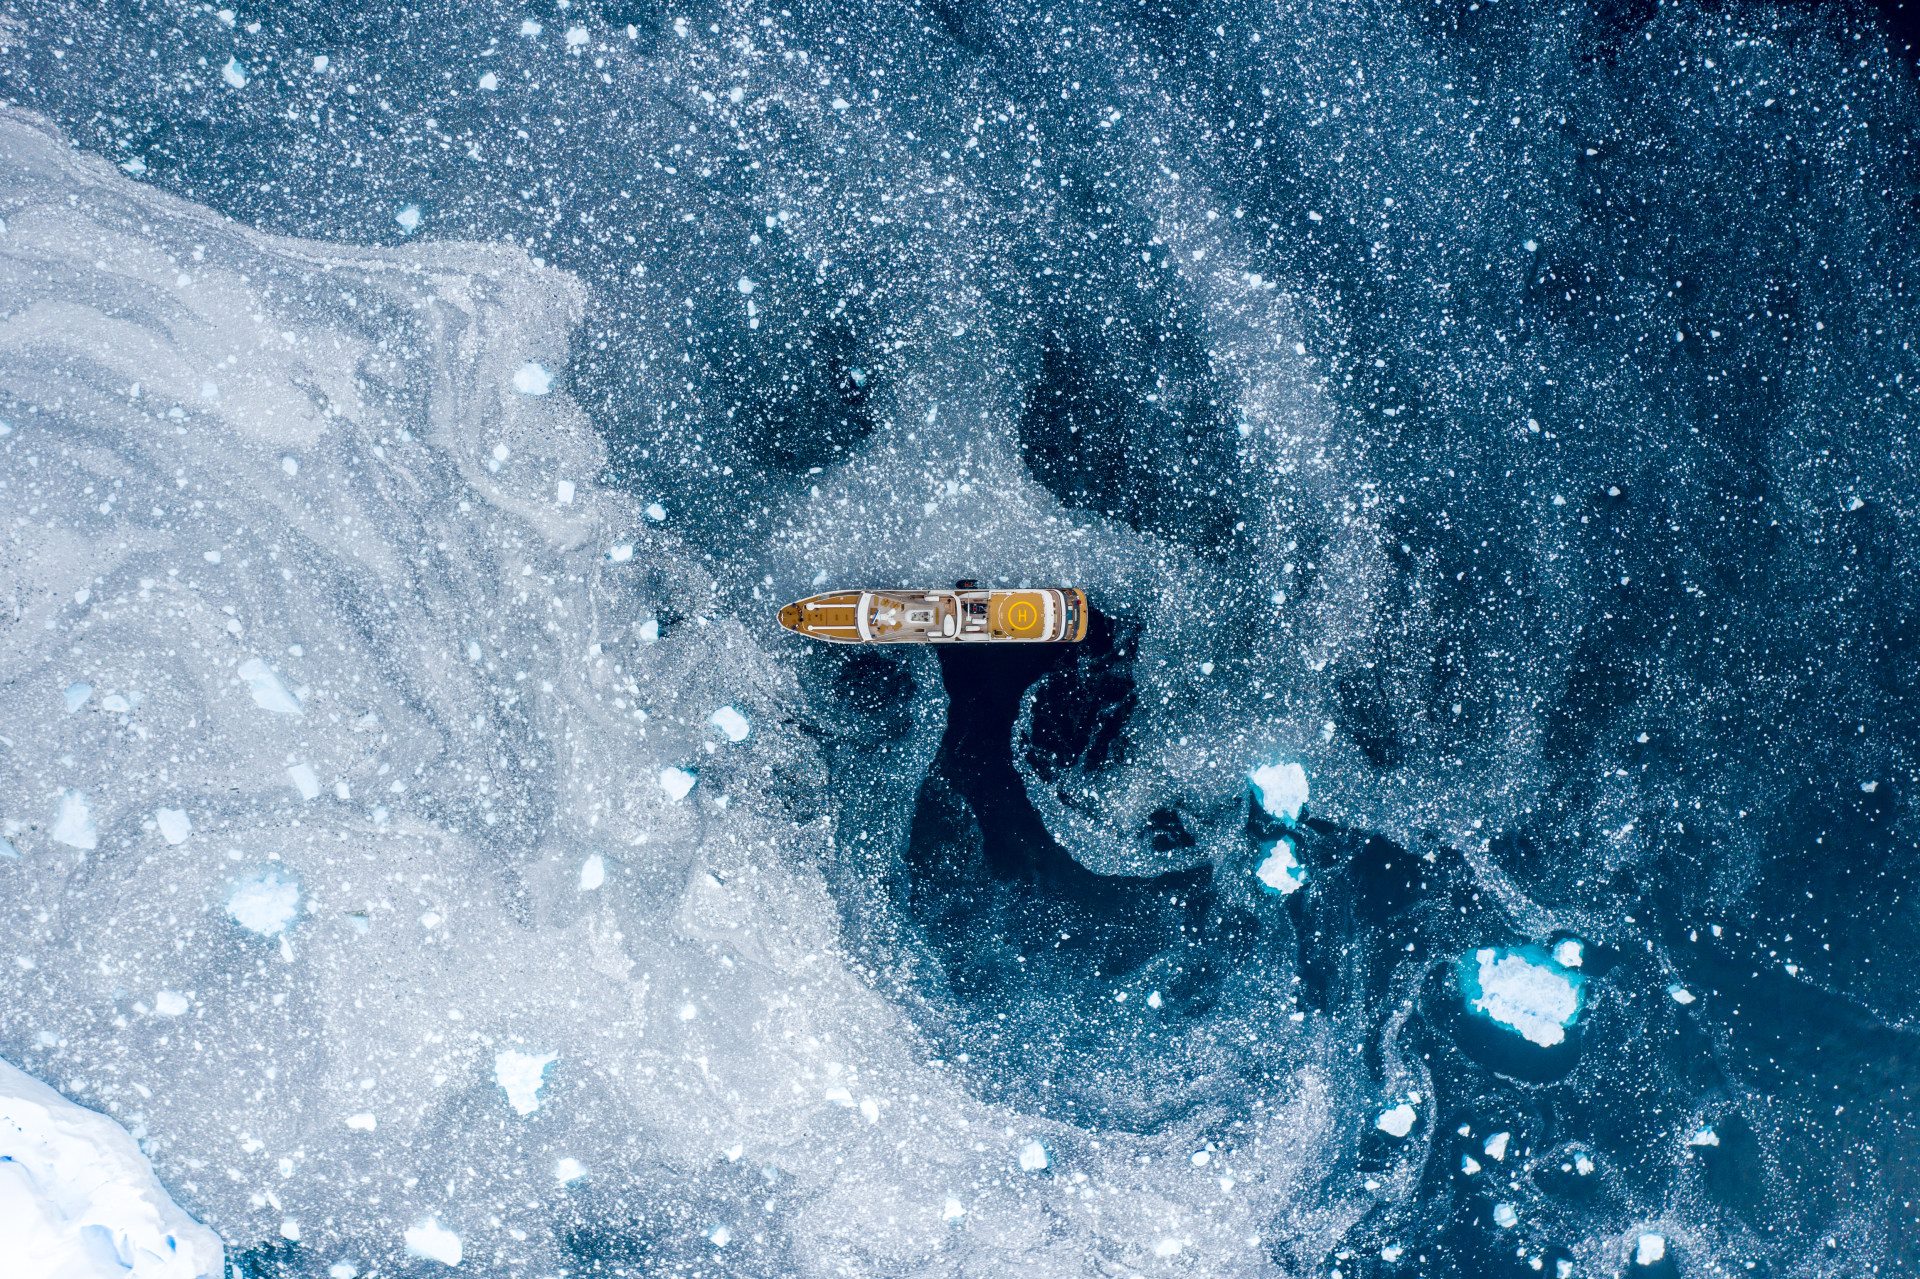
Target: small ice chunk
{"points": [[576, 36], [1496, 1146], [563, 492], [650, 631], [433, 1241], [532, 379], [116, 704], [1281, 789], [170, 1003], [1397, 1121], [520, 1075], [77, 695], [1033, 1157], [365, 1121], [174, 825], [529, 28], [620, 554], [1280, 870], [731, 722], [73, 822], [656, 512], [408, 218], [1469, 1165], [265, 902], [235, 73], [676, 782], [7, 849], [1505, 1216], [1649, 1250], [1523, 990], [952, 1210], [720, 1236], [1570, 953], [593, 873], [1705, 1137], [269, 694], [304, 780], [568, 1170], [1680, 994], [489, 82]]}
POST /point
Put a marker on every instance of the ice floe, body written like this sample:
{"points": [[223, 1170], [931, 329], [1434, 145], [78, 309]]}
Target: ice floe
{"points": [[1396, 1121], [433, 1241], [73, 822], [1280, 789], [79, 1201], [520, 1075], [265, 902], [730, 722], [1523, 990]]}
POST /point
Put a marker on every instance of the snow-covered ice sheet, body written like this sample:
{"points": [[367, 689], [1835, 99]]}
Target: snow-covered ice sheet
{"points": [[79, 1201]]}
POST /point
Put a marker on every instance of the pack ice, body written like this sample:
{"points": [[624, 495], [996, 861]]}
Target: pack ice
{"points": [[331, 554], [79, 1200]]}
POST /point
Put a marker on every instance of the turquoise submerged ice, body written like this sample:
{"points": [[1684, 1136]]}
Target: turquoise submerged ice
{"points": [[1523, 990]]}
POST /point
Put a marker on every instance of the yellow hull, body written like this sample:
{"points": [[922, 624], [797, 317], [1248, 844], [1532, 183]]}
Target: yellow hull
{"points": [[1041, 615]]}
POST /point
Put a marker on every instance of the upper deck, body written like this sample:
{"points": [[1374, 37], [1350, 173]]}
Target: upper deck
{"points": [[1041, 615]]}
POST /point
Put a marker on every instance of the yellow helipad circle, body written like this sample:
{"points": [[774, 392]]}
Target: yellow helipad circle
{"points": [[1021, 614]]}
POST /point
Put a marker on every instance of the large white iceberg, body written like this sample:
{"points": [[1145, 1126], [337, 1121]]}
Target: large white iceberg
{"points": [[79, 1201], [1523, 990]]}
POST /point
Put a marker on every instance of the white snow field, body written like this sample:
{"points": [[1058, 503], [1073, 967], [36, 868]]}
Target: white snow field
{"points": [[292, 504], [79, 1201]]}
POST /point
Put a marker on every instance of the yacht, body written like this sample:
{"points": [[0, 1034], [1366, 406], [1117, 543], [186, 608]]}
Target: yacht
{"points": [[967, 614]]}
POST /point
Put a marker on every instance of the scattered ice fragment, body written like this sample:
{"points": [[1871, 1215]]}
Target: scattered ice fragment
{"points": [[650, 630], [1649, 1250], [568, 1170], [362, 1122], [1167, 1247], [719, 1236], [304, 780], [1505, 1216], [408, 218], [1281, 789], [115, 704], [433, 1241], [134, 167], [731, 722], [1496, 1146], [73, 822], [7, 849], [321, 62], [1681, 995], [1033, 1157], [1392, 1252], [593, 873], [174, 825], [1280, 870], [77, 695], [745, 285], [576, 36], [563, 492], [1397, 1121], [532, 379], [1705, 1137], [656, 512], [290, 1230], [79, 1201], [529, 28], [676, 782], [1570, 953], [234, 73], [170, 1003], [520, 1075], [952, 1210], [265, 902], [1469, 1165], [1522, 990], [1153, 999], [269, 694], [489, 82], [622, 553]]}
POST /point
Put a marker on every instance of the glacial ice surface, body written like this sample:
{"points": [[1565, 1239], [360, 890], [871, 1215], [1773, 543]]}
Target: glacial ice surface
{"points": [[1524, 990]]}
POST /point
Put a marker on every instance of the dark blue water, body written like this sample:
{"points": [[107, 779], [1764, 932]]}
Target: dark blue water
{"points": [[1591, 492]]}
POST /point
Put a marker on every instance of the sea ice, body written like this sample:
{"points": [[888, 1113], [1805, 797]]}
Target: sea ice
{"points": [[1506, 1216], [77, 695], [532, 379], [1279, 870], [304, 780], [520, 1075], [1033, 1157], [174, 824], [593, 872], [234, 73], [1649, 1250], [676, 782], [1281, 789], [265, 902], [433, 1241], [73, 822], [170, 1003], [1523, 990], [1396, 1121], [731, 722], [79, 1201], [269, 694], [568, 1169], [1496, 1146]]}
